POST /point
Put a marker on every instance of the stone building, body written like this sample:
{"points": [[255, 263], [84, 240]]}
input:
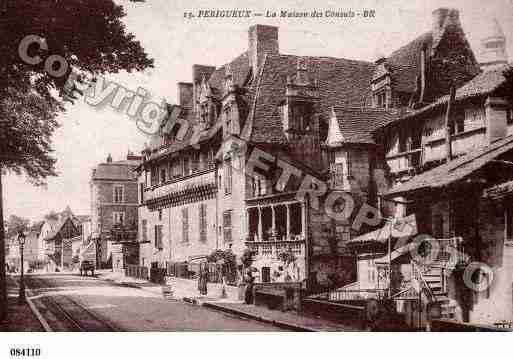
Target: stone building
{"points": [[447, 161], [199, 190], [60, 238], [266, 152], [114, 214]]}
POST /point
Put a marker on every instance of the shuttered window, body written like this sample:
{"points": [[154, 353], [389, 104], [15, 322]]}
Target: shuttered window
{"points": [[158, 237], [185, 224], [228, 177], [118, 194], [144, 225], [227, 226], [186, 166], [203, 222], [195, 162]]}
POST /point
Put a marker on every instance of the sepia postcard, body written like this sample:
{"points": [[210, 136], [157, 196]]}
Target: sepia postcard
{"points": [[253, 166]]}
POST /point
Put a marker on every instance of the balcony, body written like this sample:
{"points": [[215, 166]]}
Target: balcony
{"points": [[199, 184], [404, 161], [271, 249]]}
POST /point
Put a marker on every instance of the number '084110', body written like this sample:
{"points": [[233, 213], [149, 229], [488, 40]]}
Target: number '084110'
{"points": [[25, 352]]}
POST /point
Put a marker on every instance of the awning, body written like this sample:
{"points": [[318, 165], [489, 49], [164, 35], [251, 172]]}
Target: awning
{"points": [[454, 170], [394, 229]]}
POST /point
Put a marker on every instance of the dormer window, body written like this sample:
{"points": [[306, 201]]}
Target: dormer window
{"points": [[381, 100], [299, 118], [204, 112]]}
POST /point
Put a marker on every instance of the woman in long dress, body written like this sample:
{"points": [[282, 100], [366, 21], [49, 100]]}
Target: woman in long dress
{"points": [[248, 297], [203, 278]]}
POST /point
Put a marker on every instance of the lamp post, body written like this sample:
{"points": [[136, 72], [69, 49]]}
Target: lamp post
{"points": [[21, 241]]}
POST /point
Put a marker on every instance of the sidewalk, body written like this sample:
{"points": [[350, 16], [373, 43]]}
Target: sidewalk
{"points": [[286, 320], [186, 290], [183, 289], [20, 318]]}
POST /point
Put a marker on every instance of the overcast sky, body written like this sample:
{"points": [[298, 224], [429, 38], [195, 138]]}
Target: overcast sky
{"points": [[88, 135]]}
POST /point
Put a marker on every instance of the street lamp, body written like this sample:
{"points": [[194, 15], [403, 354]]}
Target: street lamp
{"points": [[21, 241]]}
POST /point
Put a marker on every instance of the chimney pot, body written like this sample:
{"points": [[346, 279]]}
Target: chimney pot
{"points": [[185, 93], [440, 17]]}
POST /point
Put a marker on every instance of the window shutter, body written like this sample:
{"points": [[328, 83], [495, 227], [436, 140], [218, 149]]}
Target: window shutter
{"points": [[144, 230], [227, 226], [203, 221], [228, 177], [159, 237], [195, 162], [185, 225], [186, 168]]}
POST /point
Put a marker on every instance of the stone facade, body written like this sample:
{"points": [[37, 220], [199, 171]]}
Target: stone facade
{"points": [[114, 204]]}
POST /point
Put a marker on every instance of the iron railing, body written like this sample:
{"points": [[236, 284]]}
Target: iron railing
{"points": [[136, 271], [340, 295]]}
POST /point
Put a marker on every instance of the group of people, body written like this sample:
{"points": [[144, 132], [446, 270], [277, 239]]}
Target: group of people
{"points": [[203, 276]]}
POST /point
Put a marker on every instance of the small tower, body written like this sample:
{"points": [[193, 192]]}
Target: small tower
{"points": [[493, 47], [109, 158]]}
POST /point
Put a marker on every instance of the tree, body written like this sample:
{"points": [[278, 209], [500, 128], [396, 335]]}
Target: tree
{"points": [[91, 37], [51, 216], [16, 224]]}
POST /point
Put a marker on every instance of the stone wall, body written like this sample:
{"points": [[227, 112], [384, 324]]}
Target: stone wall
{"points": [[495, 304]]}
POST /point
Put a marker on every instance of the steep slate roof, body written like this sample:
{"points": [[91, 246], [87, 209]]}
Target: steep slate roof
{"points": [[241, 74], [455, 170], [405, 62], [119, 170], [483, 84], [357, 124], [240, 70], [341, 82]]}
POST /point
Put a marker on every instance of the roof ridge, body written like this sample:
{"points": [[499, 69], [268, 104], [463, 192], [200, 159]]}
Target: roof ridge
{"points": [[257, 94], [362, 108], [323, 57], [424, 34]]}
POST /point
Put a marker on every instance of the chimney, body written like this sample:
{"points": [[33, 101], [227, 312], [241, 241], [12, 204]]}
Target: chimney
{"points": [[109, 158], [441, 18], [423, 73], [263, 39], [185, 93], [198, 72]]}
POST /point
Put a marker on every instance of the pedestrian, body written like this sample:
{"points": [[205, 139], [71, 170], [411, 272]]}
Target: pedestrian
{"points": [[202, 279], [248, 298]]}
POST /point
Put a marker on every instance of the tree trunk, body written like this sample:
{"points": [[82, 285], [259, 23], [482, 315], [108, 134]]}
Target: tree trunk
{"points": [[3, 279]]}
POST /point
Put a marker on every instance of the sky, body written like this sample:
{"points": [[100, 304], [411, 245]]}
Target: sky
{"points": [[88, 134]]}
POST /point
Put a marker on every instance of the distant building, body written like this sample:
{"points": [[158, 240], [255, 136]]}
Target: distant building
{"points": [[114, 207], [61, 236]]}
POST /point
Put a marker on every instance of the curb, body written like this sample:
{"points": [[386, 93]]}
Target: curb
{"points": [[34, 309], [279, 324]]}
